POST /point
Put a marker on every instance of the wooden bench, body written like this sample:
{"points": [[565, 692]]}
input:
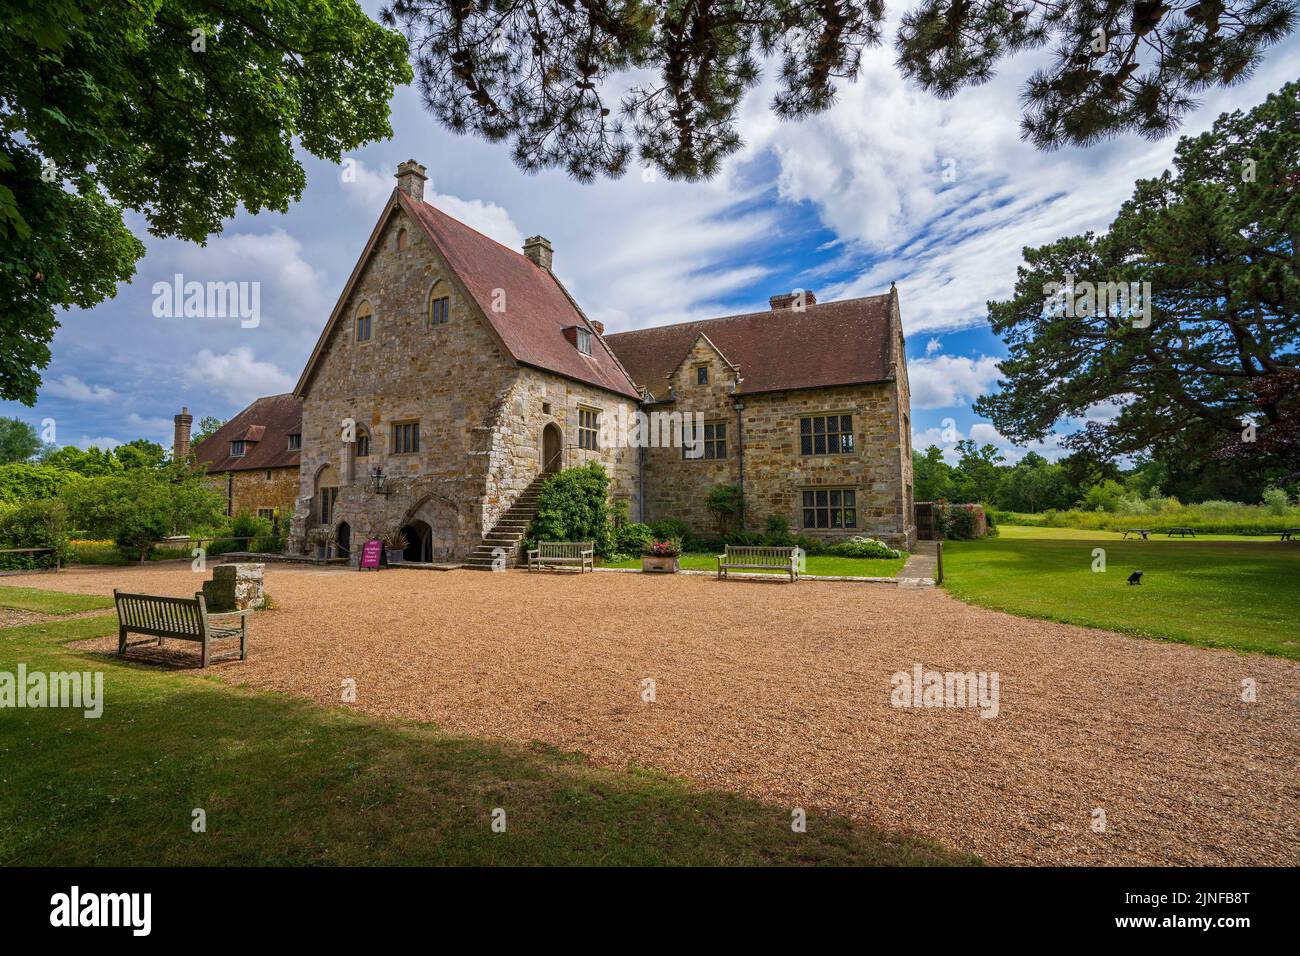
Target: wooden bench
{"points": [[1141, 531], [1181, 532], [185, 619], [763, 559], [563, 554]]}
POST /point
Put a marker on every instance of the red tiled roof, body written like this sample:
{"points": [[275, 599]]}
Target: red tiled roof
{"points": [[830, 343], [537, 308], [266, 426]]}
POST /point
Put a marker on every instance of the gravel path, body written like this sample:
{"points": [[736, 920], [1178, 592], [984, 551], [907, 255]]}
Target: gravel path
{"points": [[783, 692]]}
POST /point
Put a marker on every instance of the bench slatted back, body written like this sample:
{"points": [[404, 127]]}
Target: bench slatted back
{"points": [[162, 616], [563, 549], [765, 557]]}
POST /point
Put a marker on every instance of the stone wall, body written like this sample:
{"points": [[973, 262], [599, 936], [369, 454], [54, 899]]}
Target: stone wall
{"points": [[251, 491]]}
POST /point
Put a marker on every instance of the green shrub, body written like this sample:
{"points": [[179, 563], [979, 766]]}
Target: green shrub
{"points": [[859, 547], [723, 502], [744, 539], [41, 523], [574, 506], [704, 543], [634, 538], [25, 481], [777, 534], [670, 528], [962, 525], [137, 531], [1276, 501]]}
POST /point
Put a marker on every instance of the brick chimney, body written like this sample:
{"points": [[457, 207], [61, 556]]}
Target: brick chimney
{"points": [[598, 326], [538, 248], [797, 301], [181, 436], [411, 179]]}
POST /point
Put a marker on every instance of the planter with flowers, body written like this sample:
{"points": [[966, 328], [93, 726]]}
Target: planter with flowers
{"points": [[662, 557]]}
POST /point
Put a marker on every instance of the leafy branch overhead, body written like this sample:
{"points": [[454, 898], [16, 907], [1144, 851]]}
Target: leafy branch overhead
{"points": [[587, 85], [180, 110]]}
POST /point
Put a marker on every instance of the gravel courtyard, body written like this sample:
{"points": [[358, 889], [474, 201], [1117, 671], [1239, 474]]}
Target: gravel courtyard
{"points": [[783, 692]]}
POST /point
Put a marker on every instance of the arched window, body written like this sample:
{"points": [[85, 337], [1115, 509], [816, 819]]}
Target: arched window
{"points": [[402, 239], [358, 455], [439, 304], [365, 322], [327, 492]]}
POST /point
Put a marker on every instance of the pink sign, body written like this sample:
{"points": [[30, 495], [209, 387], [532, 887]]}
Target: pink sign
{"points": [[370, 553]]}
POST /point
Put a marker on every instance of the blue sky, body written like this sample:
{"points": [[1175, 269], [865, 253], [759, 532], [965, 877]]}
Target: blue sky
{"points": [[891, 184]]}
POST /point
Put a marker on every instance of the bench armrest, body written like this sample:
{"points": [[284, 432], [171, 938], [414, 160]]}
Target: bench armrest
{"points": [[244, 613]]}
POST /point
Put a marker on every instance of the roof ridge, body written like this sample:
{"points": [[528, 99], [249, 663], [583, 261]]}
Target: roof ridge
{"points": [[745, 315]]}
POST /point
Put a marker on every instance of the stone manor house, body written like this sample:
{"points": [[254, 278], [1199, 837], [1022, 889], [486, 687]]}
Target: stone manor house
{"points": [[454, 374]]}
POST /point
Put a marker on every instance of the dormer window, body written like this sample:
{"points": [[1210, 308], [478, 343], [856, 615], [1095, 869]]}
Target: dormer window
{"points": [[295, 442], [237, 448], [584, 341]]}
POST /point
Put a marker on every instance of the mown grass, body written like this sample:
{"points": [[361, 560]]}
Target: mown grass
{"points": [[51, 602], [1227, 594], [816, 564], [286, 782]]}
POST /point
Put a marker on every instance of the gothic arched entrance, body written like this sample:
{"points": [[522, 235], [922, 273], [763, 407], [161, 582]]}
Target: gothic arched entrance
{"points": [[419, 541]]}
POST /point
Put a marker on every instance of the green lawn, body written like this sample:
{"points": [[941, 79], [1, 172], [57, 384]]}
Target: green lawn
{"points": [[816, 564], [284, 781], [1237, 594], [1018, 532], [50, 602]]}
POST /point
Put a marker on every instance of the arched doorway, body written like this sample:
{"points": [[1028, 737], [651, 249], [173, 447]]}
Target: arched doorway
{"points": [[343, 535], [552, 448], [327, 492], [419, 541]]}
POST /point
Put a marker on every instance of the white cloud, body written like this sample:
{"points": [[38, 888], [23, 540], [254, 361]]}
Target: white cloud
{"points": [[932, 346], [73, 388], [239, 374], [983, 433], [103, 444], [948, 381]]}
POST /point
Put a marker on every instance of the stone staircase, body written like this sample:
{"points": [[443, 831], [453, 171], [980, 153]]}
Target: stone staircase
{"points": [[509, 531]]}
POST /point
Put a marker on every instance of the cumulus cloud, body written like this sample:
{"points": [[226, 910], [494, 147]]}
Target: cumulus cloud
{"points": [[238, 373], [948, 381], [932, 346], [948, 434], [74, 389], [86, 443]]}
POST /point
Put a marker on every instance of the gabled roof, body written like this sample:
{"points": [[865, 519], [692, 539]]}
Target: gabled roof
{"points": [[265, 426], [830, 343], [537, 308]]}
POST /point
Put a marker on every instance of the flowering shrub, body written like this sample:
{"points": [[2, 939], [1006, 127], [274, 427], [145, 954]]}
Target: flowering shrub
{"points": [[663, 549]]}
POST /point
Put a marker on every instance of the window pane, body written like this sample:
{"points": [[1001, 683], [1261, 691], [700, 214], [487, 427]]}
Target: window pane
{"points": [[809, 517], [819, 444], [807, 499], [835, 499], [850, 498], [722, 449], [836, 517], [805, 445], [819, 425], [821, 518], [805, 426], [821, 499], [846, 423], [846, 443], [850, 518]]}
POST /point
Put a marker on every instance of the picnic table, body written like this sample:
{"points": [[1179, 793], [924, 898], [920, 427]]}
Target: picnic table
{"points": [[1142, 531], [1288, 534], [1181, 532]]}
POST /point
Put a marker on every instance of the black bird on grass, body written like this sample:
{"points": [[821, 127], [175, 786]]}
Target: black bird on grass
{"points": [[1135, 577]]}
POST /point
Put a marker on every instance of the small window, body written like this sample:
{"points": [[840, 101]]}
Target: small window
{"points": [[363, 445], [237, 449], [546, 408], [402, 240], [365, 321], [588, 419], [439, 310], [710, 446], [826, 435], [295, 442], [327, 498], [268, 474], [584, 341], [701, 375], [267, 513], [830, 508], [406, 438]]}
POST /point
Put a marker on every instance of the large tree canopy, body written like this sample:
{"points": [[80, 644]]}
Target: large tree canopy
{"points": [[553, 76], [181, 110], [1215, 241]]}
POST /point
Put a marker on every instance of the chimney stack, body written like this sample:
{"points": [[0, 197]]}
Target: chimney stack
{"points": [[181, 436], [598, 326], [798, 301], [411, 179], [538, 249]]}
